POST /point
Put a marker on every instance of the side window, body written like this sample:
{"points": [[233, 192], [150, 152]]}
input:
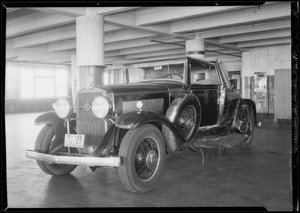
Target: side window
{"points": [[203, 74]]}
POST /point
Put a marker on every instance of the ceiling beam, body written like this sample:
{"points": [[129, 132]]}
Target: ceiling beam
{"points": [[60, 59], [125, 35], [156, 53], [180, 56], [265, 26], [44, 37], [9, 10], [18, 13], [13, 53], [52, 35], [141, 49], [155, 15], [65, 11], [35, 22], [160, 30], [266, 42], [37, 57], [240, 17], [225, 46], [63, 45], [256, 36], [37, 62], [107, 10], [128, 20]]}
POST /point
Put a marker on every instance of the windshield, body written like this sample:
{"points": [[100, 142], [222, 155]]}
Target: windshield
{"points": [[155, 72]]}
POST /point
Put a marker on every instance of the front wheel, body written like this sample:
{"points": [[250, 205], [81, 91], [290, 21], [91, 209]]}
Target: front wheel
{"points": [[44, 144], [143, 158]]}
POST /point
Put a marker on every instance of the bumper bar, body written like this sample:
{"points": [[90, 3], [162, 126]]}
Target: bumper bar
{"points": [[74, 160]]}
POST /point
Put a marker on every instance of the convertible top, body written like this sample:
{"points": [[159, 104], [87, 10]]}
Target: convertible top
{"points": [[202, 60]]}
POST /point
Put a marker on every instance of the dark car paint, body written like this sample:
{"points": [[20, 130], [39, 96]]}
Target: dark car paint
{"points": [[147, 90], [168, 91]]}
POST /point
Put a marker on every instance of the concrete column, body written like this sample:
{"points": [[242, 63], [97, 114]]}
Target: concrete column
{"points": [[90, 50], [195, 47], [74, 73]]}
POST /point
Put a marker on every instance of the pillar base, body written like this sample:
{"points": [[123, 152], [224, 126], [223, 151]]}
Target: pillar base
{"points": [[89, 76]]}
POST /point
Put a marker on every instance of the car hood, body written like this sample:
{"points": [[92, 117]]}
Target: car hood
{"points": [[157, 86], [155, 95]]}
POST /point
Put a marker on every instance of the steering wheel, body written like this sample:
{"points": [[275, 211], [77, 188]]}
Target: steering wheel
{"points": [[171, 75]]}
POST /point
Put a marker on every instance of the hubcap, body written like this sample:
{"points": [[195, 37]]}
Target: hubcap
{"points": [[151, 158], [146, 158]]}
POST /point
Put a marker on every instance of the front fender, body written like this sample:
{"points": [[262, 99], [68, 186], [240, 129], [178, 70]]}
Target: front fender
{"points": [[131, 120], [47, 118], [135, 119]]}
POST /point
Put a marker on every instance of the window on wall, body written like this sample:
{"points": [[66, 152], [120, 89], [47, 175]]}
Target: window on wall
{"points": [[27, 82], [43, 81]]}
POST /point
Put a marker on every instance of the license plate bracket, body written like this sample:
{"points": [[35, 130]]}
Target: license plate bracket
{"points": [[74, 140]]}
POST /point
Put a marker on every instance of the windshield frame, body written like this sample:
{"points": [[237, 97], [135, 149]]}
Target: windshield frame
{"points": [[183, 80]]}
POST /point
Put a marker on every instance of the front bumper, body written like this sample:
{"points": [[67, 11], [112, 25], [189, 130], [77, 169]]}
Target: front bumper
{"points": [[74, 160]]}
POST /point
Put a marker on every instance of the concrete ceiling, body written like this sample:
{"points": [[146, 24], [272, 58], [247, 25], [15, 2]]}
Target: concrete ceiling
{"points": [[144, 34]]}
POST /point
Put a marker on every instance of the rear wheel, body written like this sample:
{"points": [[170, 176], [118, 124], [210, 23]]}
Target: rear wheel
{"points": [[44, 144], [143, 158], [246, 143], [186, 121]]}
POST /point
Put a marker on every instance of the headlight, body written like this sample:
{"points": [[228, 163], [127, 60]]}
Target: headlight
{"points": [[62, 108], [100, 107]]}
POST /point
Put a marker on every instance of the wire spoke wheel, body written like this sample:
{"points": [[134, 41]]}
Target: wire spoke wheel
{"points": [[186, 121], [143, 155], [146, 159]]}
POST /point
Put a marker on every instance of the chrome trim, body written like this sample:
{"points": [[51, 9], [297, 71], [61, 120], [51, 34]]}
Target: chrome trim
{"points": [[221, 102], [74, 160], [169, 93], [144, 93], [105, 125], [202, 128], [68, 126], [218, 70]]}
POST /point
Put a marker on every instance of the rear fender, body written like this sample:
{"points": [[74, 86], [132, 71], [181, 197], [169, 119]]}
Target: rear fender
{"points": [[240, 115], [252, 107], [178, 103]]}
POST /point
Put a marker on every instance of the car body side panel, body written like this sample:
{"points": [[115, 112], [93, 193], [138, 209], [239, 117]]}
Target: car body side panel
{"points": [[208, 97]]}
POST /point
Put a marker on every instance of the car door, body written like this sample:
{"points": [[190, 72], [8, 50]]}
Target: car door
{"points": [[205, 84]]}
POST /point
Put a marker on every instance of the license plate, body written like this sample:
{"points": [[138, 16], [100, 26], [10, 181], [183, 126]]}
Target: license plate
{"points": [[74, 140]]}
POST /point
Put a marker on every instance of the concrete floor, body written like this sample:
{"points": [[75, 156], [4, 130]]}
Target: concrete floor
{"points": [[256, 177]]}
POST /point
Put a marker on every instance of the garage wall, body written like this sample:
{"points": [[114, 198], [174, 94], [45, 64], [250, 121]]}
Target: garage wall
{"points": [[258, 70], [12, 80], [14, 102], [266, 59]]}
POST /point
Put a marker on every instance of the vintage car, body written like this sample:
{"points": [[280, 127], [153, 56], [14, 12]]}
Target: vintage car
{"points": [[158, 109]]}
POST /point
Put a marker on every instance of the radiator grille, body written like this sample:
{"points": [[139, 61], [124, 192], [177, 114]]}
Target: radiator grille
{"points": [[92, 127]]}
